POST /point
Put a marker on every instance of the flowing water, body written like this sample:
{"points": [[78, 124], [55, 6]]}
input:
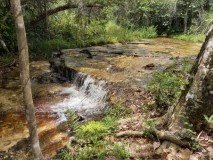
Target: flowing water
{"points": [[116, 73], [87, 100]]}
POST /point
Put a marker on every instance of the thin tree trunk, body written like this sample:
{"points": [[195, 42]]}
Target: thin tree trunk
{"points": [[4, 45], [46, 16], [172, 16], [25, 78], [185, 21], [1, 38]]}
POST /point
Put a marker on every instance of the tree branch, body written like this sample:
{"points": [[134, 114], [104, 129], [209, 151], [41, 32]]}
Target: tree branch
{"points": [[59, 9]]}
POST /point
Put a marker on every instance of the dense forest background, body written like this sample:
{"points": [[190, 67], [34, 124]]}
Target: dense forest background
{"points": [[53, 25]]}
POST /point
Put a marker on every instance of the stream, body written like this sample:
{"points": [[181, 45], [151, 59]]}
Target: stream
{"points": [[113, 74]]}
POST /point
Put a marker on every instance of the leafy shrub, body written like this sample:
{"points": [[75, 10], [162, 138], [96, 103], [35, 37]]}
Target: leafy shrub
{"points": [[92, 153], [54, 44], [120, 152], [110, 122], [6, 59], [93, 131], [101, 151], [47, 46], [119, 111], [146, 32], [167, 88]]}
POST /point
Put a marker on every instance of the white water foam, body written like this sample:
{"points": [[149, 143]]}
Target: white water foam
{"points": [[88, 100]]}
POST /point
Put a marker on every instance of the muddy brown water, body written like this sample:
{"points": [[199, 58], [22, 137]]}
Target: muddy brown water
{"points": [[121, 66]]}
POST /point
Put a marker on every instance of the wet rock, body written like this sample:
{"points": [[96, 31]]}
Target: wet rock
{"points": [[149, 66], [57, 54], [86, 51], [119, 52], [48, 78]]}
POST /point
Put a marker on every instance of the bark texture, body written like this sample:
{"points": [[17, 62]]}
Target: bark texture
{"points": [[197, 99], [25, 78]]}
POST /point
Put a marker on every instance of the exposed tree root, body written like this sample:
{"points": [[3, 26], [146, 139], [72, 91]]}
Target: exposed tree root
{"points": [[130, 133], [142, 155], [169, 136], [162, 135]]}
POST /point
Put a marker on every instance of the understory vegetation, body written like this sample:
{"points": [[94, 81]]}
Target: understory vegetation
{"points": [[190, 37], [95, 139], [95, 34], [168, 84]]}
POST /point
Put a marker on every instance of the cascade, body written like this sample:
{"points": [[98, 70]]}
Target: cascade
{"points": [[87, 97]]}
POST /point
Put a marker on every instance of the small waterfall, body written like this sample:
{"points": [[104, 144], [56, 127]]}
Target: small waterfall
{"points": [[87, 98]]}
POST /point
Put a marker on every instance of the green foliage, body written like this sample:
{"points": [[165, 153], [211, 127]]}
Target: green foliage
{"points": [[148, 125], [64, 154], [120, 152], [6, 59], [190, 37], [101, 151], [209, 120], [96, 32], [93, 131], [116, 21], [146, 32], [47, 46], [91, 137], [194, 144], [92, 152], [110, 122], [190, 132], [72, 121], [201, 28], [7, 27], [167, 88], [119, 111]]}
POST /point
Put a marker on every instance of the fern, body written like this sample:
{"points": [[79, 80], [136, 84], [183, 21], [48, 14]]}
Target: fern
{"points": [[93, 131], [73, 123], [208, 119]]}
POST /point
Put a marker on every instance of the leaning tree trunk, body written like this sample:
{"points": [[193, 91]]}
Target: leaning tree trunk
{"points": [[25, 78], [197, 100]]}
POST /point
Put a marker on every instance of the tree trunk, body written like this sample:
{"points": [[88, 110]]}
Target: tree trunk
{"points": [[25, 78], [185, 20], [46, 16], [197, 100], [171, 18]]}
